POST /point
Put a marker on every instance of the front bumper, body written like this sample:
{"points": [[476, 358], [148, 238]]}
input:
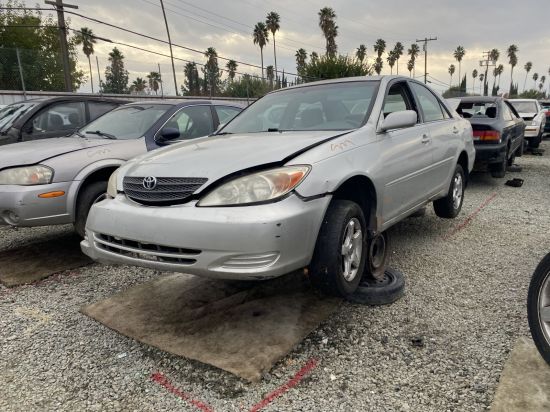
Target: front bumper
{"points": [[248, 242], [21, 206], [490, 153]]}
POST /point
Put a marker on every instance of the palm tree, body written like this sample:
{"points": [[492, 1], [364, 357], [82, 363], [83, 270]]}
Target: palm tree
{"points": [[86, 37], [458, 55], [379, 48], [451, 72], [542, 80], [474, 76], [413, 52], [392, 58], [410, 67], [535, 78], [301, 57], [329, 28], [481, 77], [154, 81], [541, 85], [314, 57], [231, 67], [261, 37], [270, 75], [528, 66], [513, 60], [361, 53], [500, 70], [272, 22], [138, 85], [398, 52]]}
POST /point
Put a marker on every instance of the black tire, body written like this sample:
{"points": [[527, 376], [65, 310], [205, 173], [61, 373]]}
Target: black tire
{"points": [[498, 170], [446, 207], [380, 292], [326, 267], [89, 195], [534, 142], [511, 160], [521, 148], [537, 281]]}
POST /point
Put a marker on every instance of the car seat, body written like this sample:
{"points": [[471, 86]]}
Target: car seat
{"points": [[55, 122], [491, 112]]}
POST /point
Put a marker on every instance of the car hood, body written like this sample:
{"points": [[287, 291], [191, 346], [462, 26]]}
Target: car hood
{"points": [[218, 156], [35, 151]]}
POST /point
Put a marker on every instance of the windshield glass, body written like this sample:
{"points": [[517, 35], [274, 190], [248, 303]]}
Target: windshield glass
{"points": [[525, 107], [335, 106], [126, 122], [9, 114]]}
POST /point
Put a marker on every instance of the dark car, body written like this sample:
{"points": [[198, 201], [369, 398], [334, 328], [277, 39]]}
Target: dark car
{"points": [[498, 132], [43, 118], [546, 106]]}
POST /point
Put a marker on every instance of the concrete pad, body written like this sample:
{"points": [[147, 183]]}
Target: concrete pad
{"points": [[237, 327], [36, 261], [525, 382]]}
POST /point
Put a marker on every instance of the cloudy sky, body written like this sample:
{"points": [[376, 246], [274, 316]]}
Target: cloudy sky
{"points": [[227, 26]]}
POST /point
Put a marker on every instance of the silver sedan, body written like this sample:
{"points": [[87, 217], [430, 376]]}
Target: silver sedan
{"points": [[309, 176]]}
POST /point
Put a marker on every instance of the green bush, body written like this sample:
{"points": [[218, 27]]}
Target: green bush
{"points": [[333, 68], [247, 86]]}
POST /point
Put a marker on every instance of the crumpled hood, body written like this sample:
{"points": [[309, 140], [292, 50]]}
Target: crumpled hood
{"points": [[218, 156], [35, 151]]}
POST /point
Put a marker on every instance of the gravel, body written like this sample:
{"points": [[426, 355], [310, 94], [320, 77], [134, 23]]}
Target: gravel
{"points": [[440, 348]]}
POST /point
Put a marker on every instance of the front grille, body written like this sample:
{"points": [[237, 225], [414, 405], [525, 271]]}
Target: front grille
{"points": [[146, 251], [168, 190]]}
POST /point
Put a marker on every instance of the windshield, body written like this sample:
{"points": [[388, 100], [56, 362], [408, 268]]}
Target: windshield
{"points": [[126, 122], [525, 107], [9, 114], [334, 106]]}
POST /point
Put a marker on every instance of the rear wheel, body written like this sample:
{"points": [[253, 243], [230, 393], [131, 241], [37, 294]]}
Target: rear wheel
{"points": [[92, 193], [339, 257], [534, 142], [498, 170], [538, 307], [449, 206]]}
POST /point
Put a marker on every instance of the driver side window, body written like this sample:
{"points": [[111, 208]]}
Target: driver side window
{"points": [[192, 122], [397, 99], [59, 117]]}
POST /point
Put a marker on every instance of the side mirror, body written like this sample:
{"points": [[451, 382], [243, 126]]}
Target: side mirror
{"points": [[167, 134], [399, 120]]}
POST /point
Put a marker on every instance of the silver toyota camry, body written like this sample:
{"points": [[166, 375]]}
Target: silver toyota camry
{"points": [[307, 177]]}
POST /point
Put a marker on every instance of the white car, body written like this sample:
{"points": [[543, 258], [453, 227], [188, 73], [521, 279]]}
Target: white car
{"points": [[534, 115]]}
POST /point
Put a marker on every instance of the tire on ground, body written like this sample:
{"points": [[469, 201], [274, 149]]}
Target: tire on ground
{"points": [[445, 207], [89, 195], [326, 267], [380, 292], [537, 281], [534, 142]]}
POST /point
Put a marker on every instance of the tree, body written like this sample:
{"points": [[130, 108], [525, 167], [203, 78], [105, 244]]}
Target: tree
{"points": [[301, 57], [272, 22], [328, 67], [451, 72], [497, 72], [231, 67], [398, 52], [247, 87], [314, 57], [481, 77], [260, 37], [458, 54], [327, 23], [392, 58], [212, 72], [86, 38], [270, 74], [528, 66], [192, 83], [138, 86], [361, 53], [474, 76], [410, 67], [535, 78], [116, 76], [36, 38], [413, 52], [378, 64], [513, 60], [379, 48]]}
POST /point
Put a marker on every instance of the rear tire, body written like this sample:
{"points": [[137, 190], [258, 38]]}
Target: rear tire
{"points": [[534, 143], [339, 257], [538, 281], [498, 170], [449, 206], [92, 193]]}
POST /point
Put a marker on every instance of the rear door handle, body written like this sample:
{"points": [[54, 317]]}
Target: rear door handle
{"points": [[425, 139]]}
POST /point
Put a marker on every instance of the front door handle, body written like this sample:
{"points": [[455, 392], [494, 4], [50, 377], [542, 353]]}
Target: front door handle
{"points": [[425, 139]]}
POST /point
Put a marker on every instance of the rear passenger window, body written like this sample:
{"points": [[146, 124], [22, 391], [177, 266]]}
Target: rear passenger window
{"points": [[428, 102], [506, 113]]}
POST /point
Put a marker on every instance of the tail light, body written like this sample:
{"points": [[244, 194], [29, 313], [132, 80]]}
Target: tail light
{"points": [[487, 135]]}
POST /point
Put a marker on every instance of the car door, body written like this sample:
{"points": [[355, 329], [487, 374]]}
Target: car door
{"points": [[406, 156], [56, 120], [510, 128], [519, 123], [191, 121], [445, 132]]}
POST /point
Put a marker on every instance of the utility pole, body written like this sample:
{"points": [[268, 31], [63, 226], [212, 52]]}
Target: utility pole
{"points": [[170, 44], [58, 4], [487, 62], [161, 88], [98, 74], [425, 47]]}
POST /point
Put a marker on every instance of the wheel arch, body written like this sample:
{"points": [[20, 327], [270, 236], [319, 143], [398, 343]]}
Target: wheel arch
{"points": [[463, 161]]}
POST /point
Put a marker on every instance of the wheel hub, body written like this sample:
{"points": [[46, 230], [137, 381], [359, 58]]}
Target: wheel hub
{"points": [[457, 190], [544, 307], [352, 249]]}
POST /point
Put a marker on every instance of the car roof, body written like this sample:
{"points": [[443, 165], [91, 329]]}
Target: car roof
{"points": [[481, 99], [523, 100], [183, 103]]}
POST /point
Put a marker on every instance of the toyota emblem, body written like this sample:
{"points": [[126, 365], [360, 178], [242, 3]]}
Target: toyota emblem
{"points": [[149, 182]]}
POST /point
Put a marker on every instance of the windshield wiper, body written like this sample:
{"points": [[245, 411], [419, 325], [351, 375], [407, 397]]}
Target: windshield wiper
{"points": [[273, 129], [102, 134], [223, 133]]}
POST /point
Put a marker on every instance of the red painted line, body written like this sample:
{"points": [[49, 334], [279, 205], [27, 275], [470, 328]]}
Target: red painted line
{"points": [[163, 381], [308, 367], [470, 217]]}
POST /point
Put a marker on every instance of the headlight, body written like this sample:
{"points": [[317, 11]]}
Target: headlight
{"points": [[258, 187], [26, 176], [111, 185]]}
